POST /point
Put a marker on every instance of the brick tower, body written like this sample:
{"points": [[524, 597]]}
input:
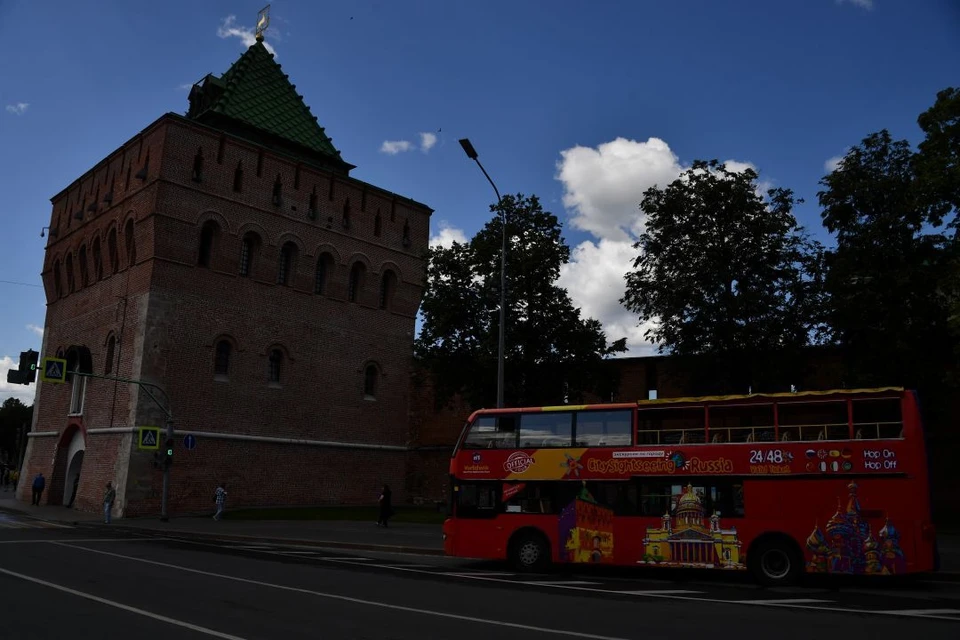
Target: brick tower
{"points": [[229, 257]]}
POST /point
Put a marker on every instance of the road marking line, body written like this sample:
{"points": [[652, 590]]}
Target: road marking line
{"points": [[408, 566], [334, 596], [118, 605], [342, 559], [668, 596], [47, 540], [926, 612], [657, 592], [555, 583], [784, 601], [477, 574]]}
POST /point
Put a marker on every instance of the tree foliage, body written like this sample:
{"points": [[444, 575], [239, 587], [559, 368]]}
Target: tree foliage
{"points": [[13, 415], [721, 270], [886, 205], [552, 353]]}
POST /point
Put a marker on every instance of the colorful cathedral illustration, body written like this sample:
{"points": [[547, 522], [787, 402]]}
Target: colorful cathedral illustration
{"points": [[847, 544], [688, 542]]}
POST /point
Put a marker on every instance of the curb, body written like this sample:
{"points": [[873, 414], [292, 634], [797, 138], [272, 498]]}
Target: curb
{"points": [[335, 544]]}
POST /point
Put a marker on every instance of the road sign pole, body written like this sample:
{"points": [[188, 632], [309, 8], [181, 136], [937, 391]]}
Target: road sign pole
{"points": [[166, 476]]}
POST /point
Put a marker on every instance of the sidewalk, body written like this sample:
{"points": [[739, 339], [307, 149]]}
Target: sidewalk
{"points": [[402, 536]]}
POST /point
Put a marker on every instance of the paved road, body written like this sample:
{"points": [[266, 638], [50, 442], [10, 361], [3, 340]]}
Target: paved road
{"points": [[86, 583]]}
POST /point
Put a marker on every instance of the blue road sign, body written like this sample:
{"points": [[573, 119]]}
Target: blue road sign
{"points": [[189, 442]]}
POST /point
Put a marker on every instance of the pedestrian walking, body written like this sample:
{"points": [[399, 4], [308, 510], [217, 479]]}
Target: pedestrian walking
{"points": [[386, 507], [108, 497], [39, 484], [220, 498]]}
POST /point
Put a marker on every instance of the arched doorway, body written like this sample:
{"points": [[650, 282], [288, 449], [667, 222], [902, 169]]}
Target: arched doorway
{"points": [[73, 478], [67, 465]]}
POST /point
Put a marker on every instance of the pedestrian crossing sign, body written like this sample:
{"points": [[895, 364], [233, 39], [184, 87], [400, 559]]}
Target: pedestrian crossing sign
{"points": [[148, 438], [53, 370]]}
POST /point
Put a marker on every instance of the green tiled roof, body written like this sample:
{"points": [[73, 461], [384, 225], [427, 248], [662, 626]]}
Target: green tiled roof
{"points": [[255, 91]]}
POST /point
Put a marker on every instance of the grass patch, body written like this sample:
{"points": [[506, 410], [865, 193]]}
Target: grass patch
{"points": [[368, 514]]}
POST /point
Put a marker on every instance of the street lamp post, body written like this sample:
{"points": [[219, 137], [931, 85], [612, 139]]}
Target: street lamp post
{"points": [[472, 154]]}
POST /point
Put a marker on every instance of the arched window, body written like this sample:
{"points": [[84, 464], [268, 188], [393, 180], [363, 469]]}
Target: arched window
{"points": [[276, 362], [288, 254], [248, 249], [197, 174], [277, 191], [108, 361], [131, 244], [97, 259], [82, 260], [221, 364], [355, 285], [370, 382], [207, 235], [324, 268], [57, 283], [112, 250], [238, 178], [388, 285], [68, 261]]}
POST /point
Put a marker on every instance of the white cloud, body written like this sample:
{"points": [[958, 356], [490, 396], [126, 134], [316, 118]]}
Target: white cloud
{"points": [[832, 164], [393, 147], [25, 393], [19, 108], [594, 279], [185, 86], [447, 236], [230, 29], [603, 186], [863, 4], [37, 330], [427, 140]]}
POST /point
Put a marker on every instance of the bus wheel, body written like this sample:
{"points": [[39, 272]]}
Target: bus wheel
{"points": [[529, 552], [775, 562]]}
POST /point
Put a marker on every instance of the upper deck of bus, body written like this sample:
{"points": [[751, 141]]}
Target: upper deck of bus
{"points": [[883, 413]]}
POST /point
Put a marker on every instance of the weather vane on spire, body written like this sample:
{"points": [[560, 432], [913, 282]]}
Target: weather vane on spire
{"points": [[263, 21]]}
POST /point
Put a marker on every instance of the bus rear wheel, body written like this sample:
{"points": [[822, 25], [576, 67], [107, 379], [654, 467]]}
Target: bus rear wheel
{"points": [[775, 563], [529, 552]]}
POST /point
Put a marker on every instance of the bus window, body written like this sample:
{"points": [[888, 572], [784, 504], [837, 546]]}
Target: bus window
{"points": [[604, 428], [724, 497], [532, 497], [547, 429], [476, 500], [813, 420], [492, 432], [741, 423], [676, 425], [876, 419]]}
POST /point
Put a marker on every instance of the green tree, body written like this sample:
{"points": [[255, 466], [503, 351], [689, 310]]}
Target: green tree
{"points": [[552, 354], [13, 415], [724, 273], [886, 273]]}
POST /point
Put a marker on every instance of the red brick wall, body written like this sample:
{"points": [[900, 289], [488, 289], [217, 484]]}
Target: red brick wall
{"points": [[167, 314], [261, 474]]}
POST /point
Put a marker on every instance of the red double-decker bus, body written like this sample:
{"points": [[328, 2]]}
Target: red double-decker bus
{"points": [[777, 484]]}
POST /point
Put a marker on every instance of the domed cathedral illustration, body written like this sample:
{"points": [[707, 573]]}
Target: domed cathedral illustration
{"points": [[847, 544], [686, 541]]}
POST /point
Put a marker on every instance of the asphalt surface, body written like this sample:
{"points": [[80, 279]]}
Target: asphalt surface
{"points": [[94, 582]]}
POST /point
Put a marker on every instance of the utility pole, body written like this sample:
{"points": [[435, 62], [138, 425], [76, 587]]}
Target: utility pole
{"points": [[165, 496]]}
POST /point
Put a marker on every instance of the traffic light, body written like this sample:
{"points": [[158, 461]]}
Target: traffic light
{"points": [[28, 366], [27, 371], [168, 452]]}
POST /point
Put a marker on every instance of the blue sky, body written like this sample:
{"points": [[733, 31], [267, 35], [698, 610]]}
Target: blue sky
{"points": [[585, 104]]}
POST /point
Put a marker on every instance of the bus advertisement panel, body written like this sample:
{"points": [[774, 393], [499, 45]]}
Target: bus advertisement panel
{"points": [[718, 486]]}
